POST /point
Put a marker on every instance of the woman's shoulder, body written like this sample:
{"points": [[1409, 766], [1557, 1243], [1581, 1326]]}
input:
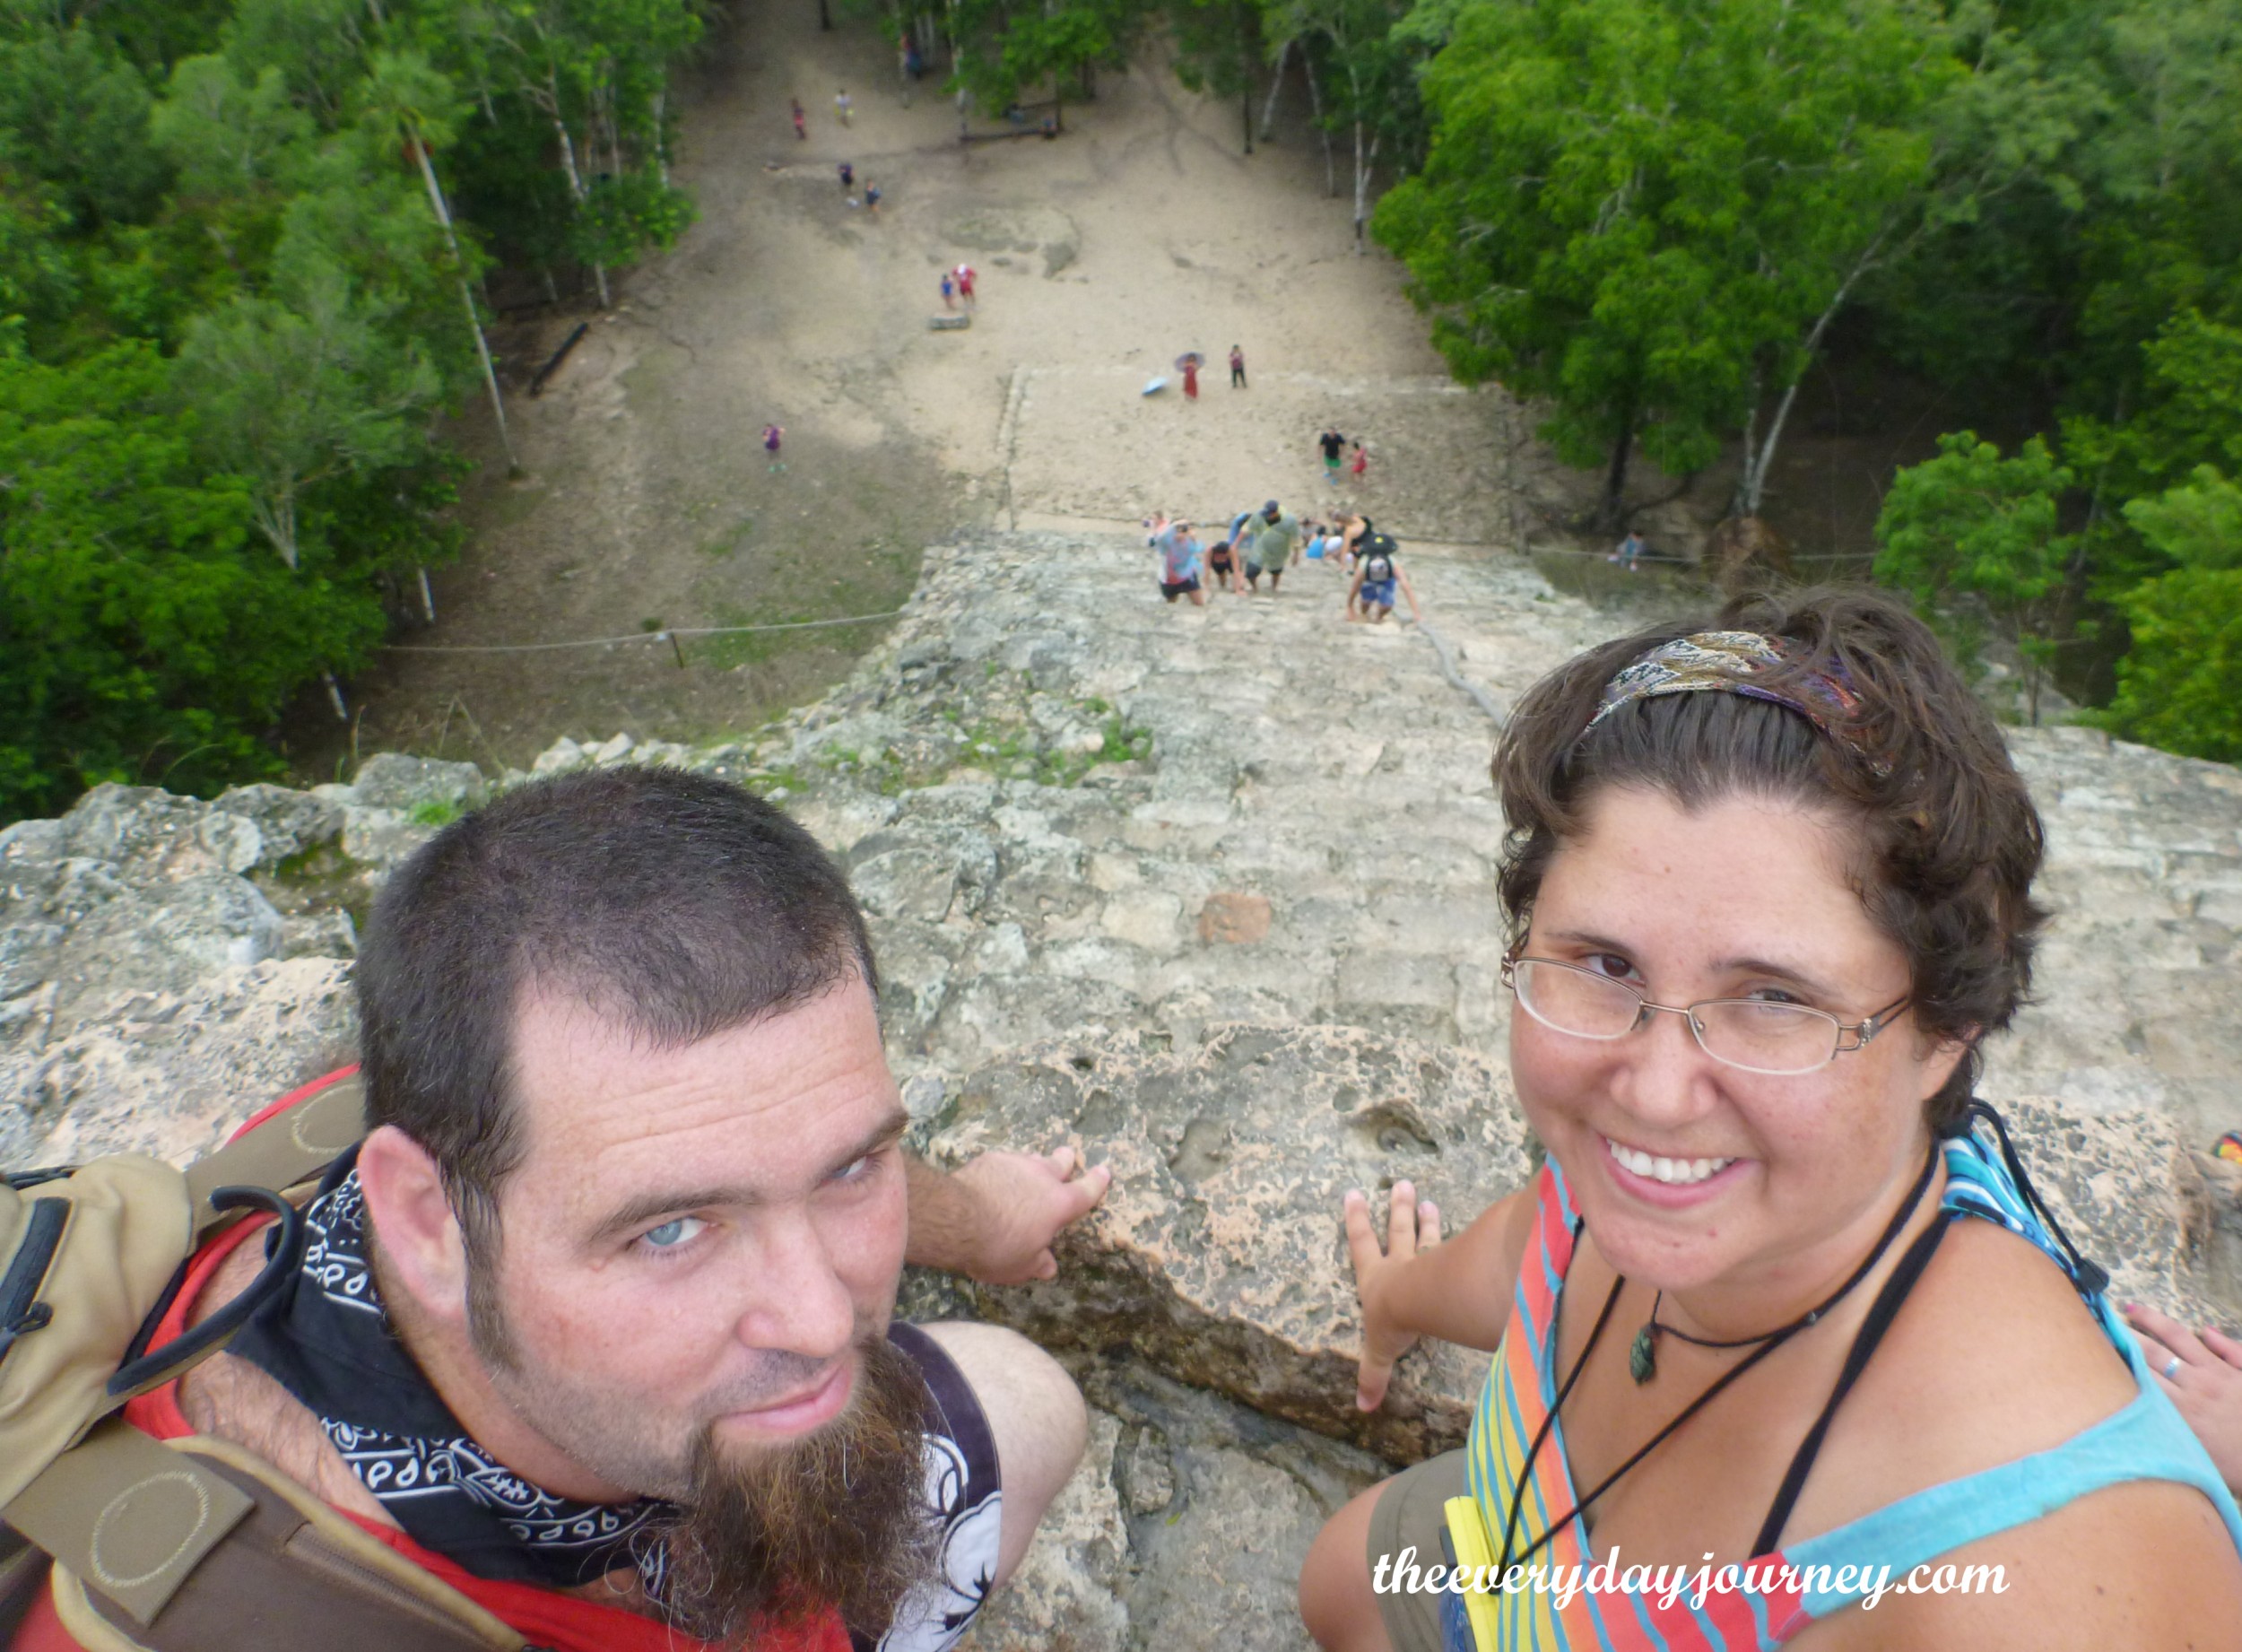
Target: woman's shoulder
{"points": [[1993, 1357], [1996, 1359]]}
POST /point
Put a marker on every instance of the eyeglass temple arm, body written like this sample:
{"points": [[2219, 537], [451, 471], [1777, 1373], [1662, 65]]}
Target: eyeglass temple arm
{"points": [[1870, 1026]]}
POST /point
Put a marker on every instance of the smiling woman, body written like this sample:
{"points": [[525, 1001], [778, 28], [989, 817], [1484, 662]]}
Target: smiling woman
{"points": [[1768, 885]]}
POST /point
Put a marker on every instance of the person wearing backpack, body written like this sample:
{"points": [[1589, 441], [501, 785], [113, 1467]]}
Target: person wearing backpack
{"points": [[1378, 570], [583, 1337]]}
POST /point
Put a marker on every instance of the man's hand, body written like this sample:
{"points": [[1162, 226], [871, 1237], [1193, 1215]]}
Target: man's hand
{"points": [[994, 1220], [1410, 1226]]}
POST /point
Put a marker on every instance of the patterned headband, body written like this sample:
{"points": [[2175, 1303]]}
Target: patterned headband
{"points": [[1727, 661]]}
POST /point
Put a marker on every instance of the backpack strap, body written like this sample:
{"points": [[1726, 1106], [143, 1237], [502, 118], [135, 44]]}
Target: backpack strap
{"points": [[289, 1573], [129, 1512], [287, 1147]]}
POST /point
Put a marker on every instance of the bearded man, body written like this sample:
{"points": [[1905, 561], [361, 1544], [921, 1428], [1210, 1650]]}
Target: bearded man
{"points": [[595, 1323]]}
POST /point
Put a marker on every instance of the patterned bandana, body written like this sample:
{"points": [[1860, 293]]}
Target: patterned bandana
{"points": [[326, 1338], [1727, 661]]}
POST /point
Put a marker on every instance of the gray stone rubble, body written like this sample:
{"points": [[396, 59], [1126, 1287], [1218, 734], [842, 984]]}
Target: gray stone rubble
{"points": [[1206, 893]]}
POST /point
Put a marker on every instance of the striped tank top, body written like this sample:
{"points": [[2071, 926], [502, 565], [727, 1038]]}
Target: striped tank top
{"points": [[1777, 1594]]}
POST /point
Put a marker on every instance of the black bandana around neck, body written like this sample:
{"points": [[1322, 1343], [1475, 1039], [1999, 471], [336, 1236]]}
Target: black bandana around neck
{"points": [[325, 1338]]}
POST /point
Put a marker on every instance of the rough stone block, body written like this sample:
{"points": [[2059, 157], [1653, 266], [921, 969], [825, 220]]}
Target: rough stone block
{"points": [[287, 822], [1149, 919], [395, 781], [381, 838], [1218, 1257], [172, 1073], [1232, 919], [1065, 1596]]}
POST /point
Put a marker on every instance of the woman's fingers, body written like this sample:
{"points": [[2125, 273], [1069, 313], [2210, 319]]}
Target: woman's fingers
{"points": [[2226, 1347], [1370, 1381], [1410, 1226], [2176, 1338], [1362, 1244], [1400, 1222]]}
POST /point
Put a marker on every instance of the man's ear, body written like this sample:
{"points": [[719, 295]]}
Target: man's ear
{"points": [[413, 1223]]}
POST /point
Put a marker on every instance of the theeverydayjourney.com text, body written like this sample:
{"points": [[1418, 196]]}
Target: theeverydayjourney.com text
{"points": [[1402, 1574]]}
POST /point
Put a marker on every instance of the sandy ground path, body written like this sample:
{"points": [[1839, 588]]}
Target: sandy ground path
{"points": [[1141, 232]]}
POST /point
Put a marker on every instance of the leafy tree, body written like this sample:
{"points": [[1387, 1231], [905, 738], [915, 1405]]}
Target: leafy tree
{"points": [[1647, 212], [2186, 413], [1371, 72], [37, 285], [1971, 537], [1219, 50], [290, 394], [1004, 50], [74, 115], [2180, 684], [404, 99], [237, 238], [227, 135], [143, 636]]}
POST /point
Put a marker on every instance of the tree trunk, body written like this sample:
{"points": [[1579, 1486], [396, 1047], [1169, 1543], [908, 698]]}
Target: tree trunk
{"points": [[1363, 165], [474, 319], [577, 189], [276, 520], [661, 146], [1315, 104], [1246, 73], [1611, 512], [824, 16], [1276, 85], [1752, 484]]}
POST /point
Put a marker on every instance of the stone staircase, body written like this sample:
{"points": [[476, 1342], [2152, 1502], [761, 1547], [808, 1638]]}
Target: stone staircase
{"points": [[1313, 841]]}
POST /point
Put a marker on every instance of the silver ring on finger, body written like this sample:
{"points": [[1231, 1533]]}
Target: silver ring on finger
{"points": [[2171, 1368]]}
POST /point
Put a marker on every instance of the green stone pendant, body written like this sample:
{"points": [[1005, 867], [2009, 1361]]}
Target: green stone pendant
{"points": [[1642, 1359]]}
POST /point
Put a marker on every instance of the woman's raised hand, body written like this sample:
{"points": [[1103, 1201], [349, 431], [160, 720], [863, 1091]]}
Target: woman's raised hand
{"points": [[1411, 1225]]}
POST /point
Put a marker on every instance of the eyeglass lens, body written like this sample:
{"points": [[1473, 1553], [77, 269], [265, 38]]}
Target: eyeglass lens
{"points": [[1760, 1038]]}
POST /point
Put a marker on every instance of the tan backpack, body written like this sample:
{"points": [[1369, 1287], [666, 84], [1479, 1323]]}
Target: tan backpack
{"points": [[193, 1545]]}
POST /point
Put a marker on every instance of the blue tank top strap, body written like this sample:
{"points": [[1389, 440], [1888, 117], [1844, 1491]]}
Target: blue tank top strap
{"points": [[1978, 1184], [2147, 1441]]}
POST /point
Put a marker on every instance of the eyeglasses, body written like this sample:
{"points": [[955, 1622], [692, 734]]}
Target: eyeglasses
{"points": [[1758, 1035]]}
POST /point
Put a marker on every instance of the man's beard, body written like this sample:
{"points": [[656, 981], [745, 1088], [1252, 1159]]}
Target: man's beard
{"points": [[837, 1520], [766, 1537]]}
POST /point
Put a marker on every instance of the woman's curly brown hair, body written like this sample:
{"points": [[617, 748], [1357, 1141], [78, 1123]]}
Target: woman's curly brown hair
{"points": [[1948, 839]]}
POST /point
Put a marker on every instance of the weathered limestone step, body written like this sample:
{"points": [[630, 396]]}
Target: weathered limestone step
{"points": [[1217, 1258]]}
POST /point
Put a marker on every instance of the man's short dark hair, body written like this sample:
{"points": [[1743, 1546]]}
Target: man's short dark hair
{"points": [[678, 904]]}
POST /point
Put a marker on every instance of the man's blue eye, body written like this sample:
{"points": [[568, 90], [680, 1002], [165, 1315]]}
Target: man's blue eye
{"points": [[672, 1233]]}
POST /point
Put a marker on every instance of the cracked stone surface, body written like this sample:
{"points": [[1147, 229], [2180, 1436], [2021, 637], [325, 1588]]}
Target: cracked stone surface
{"points": [[1207, 893]]}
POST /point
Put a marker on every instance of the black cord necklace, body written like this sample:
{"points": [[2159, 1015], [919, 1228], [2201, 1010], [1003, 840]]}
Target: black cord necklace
{"points": [[1767, 1345]]}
